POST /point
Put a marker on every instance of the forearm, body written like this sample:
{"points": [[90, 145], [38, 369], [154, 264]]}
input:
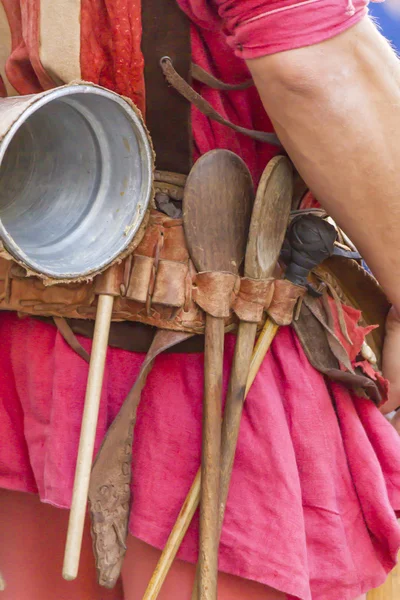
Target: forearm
{"points": [[336, 109]]}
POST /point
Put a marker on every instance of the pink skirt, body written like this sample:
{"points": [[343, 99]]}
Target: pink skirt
{"points": [[316, 481]]}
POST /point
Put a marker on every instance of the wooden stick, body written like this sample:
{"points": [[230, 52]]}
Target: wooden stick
{"points": [[246, 336], [215, 245], [211, 457], [262, 346], [193, 498], [87, 438], [2, 583], [233, 409], [175, 539], [233, 413]]}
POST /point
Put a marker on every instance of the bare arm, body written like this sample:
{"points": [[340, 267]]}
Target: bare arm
{"points": [[336, 108]]}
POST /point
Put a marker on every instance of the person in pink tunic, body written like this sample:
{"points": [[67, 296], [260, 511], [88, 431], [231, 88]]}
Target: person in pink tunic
{"points": [[315, 490]]}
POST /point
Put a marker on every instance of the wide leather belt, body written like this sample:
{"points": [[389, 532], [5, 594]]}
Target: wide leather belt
{"points": [[157, 285]]}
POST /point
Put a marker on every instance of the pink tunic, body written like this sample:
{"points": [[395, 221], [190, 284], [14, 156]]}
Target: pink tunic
{"points": [[316, 480]]}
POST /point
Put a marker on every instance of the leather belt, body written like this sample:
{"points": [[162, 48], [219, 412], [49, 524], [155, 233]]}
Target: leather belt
{"points": [[131, 336]]}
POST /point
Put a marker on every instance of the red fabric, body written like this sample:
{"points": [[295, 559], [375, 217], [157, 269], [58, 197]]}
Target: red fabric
{"points": [[310, 510], [210, 51], [30, 13], [259, 27], [356, 332], [110, 46], [19, 69]]}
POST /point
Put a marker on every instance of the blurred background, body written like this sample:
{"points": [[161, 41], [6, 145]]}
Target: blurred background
{"points": [[387, 16]]}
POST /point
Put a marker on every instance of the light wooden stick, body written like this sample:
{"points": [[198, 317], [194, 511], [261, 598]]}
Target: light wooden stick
{"points": [[175, 539], [2, 583], [211, 457], [193, 498], [261, 348], [87, 438]]}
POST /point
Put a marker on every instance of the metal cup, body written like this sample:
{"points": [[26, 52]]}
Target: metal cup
{"points": [[76, 170]]}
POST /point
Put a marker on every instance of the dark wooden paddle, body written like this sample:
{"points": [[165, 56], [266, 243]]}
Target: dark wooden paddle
{"points": [[216, 212], [267, 231]]}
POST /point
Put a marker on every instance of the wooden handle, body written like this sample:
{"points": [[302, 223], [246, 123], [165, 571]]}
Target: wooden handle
{"points": [[193, 498], [175, 539], [87, 438], [211, 457], [232, 418], [234, 407]]}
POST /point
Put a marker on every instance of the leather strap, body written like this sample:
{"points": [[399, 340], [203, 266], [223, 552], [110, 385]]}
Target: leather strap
{"points": [[166, 30], [174, 79], [209, 80], [109, 490]]}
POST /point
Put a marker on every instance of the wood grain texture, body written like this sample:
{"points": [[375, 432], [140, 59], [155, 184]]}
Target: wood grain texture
{"points": [[216, 212], [268, 225], [267, 231], [87, 438], [264, 341], [269, 218], [217, 206], [175, 539], [193, 498], [210, 459]]}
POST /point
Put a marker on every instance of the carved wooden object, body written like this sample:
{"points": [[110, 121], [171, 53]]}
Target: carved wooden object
{"points": [[267, 230], [216, 211]]}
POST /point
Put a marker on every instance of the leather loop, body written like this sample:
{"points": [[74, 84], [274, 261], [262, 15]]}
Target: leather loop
{"points": [[110, 281], [139, 280], [69, 336], [255, 295], [169, 288], [286, 295], [166, 30], [213, 292], [109, 490]]}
